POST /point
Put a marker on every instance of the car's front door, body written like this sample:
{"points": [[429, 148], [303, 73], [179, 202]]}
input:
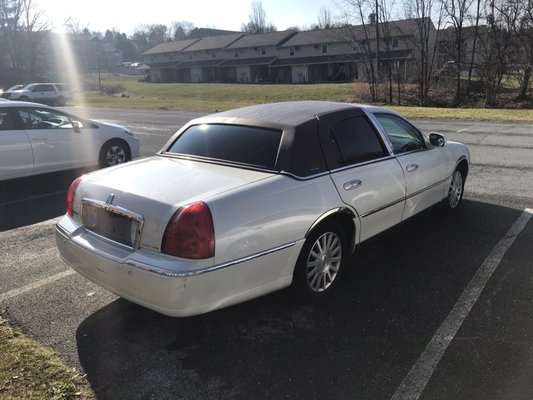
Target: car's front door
{"points": [[424, 166], [55, 143], [16, 157], [366, 176]]}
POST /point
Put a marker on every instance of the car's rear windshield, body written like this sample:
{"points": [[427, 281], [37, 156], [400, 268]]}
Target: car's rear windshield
{"points": [[253, 146]]}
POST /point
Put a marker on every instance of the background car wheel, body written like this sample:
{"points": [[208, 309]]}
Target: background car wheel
{"points": [[61, 101], [455, 191], [114, 152], [320, 261]]}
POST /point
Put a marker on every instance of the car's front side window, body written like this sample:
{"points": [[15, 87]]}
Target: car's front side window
{"points": [[356, 141], [403, 136], [35, 118]]}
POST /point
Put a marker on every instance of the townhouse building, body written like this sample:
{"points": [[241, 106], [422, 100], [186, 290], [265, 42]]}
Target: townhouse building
{"points": [[323, 55]]}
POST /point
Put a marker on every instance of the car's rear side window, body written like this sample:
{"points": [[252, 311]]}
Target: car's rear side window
{"points": [[247, 145], [357, 141]]}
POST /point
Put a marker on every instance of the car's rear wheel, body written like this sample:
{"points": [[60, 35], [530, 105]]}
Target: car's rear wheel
{"points": [[455, 190], [320, 262], [114, 152]]}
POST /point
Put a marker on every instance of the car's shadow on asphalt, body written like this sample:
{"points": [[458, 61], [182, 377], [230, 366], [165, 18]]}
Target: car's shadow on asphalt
{"points": [[361, 341], [27, 201]]}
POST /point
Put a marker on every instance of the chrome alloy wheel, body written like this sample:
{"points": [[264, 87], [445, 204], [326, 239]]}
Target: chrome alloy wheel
{"points": [[115, 155], [455, 192], [324, 261]]}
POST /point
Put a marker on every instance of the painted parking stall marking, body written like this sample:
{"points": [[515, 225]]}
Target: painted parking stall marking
{"points": [[35, 285], [416, 380]]}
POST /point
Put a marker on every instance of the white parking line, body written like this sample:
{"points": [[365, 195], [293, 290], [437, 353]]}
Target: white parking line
{"points": [[35, 285], [416, 380]]}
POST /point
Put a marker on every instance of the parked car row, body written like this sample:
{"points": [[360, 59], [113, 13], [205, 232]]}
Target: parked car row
{"points": [[244, 202], [53, 93], [35, 139]]}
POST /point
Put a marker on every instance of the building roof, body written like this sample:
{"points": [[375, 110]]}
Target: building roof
{"points": [[199, 33], [352, 33], [214, 42], [261, 40], [170, 47], [198, 64]]}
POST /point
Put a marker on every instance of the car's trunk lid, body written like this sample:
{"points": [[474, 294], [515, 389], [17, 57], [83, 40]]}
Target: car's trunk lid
{"points": [[156, 187]]}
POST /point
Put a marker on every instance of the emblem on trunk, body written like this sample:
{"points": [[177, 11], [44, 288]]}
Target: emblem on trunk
{"points": [[110, 198]]}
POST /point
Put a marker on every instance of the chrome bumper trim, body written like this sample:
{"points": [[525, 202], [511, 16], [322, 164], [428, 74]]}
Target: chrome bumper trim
{"points": [[201, 271]]}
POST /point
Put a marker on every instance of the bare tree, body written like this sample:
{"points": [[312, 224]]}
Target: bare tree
{"points": [[456, 11], [496, 47], [523, 28], [180, 30], [325, 20], [258, 20], [425, 42], [477, 18]]}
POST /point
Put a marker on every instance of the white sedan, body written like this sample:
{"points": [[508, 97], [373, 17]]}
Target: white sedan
{"points": [[242, 203], [36, 139]]}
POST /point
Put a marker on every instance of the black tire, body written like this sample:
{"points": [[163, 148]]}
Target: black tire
{"points": [[61, 101], [114, 152], [320, 262], [455, 190]]}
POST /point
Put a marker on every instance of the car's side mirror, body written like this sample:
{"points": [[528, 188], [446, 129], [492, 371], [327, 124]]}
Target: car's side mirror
{"points": [[76, 126], [437, 140]]}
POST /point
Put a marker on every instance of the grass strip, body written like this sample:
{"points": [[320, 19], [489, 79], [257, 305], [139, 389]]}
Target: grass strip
{"points": [[31, 371]]}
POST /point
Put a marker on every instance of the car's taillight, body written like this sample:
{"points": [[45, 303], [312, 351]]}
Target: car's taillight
{"points": [[190, 233], [70, 195]]}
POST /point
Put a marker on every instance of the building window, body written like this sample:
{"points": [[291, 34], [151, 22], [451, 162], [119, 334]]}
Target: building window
{"points": [[324, 48], [291, 51], [263, 51], [213, 54], [394, 43], [236, 53]]}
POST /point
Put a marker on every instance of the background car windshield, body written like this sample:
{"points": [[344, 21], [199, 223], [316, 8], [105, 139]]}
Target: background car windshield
{"points": [[232, 143]]}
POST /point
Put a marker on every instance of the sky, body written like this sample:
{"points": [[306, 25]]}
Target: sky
{"points": [[126, 15]]}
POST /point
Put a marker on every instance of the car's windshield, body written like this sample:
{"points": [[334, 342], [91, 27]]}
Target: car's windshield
{"points": [[252, 146]]}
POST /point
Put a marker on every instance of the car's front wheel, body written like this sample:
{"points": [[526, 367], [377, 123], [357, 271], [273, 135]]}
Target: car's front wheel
{"points": [[455, 190], [320, 261], [114, 152]]}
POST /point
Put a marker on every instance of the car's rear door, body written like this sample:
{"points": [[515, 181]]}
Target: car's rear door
{"points": [[16, 157], [365, 174], [424, 166]]}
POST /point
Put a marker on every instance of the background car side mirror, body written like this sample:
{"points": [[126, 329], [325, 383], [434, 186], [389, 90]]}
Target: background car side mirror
{"points": [[437, 140], [76, 126]]}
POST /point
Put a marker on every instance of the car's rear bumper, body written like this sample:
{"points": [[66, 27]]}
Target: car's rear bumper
{"points": [[177, 293]]}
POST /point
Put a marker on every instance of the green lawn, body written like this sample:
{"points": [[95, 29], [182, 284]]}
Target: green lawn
{"points": [[212, 97]]}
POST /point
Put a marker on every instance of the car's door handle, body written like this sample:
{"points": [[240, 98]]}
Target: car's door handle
{"points": [[352, 184], [411, 167]]}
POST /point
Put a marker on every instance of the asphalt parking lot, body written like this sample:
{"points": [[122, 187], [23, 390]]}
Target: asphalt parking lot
{"points": [[436, 308]]}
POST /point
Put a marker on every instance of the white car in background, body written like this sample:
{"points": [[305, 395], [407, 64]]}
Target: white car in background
{"points": [[53, 93], [248, 201], [36, 139]]}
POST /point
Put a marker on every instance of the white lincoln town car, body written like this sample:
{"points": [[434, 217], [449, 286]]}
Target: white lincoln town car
{"points": [[245, 202]]}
